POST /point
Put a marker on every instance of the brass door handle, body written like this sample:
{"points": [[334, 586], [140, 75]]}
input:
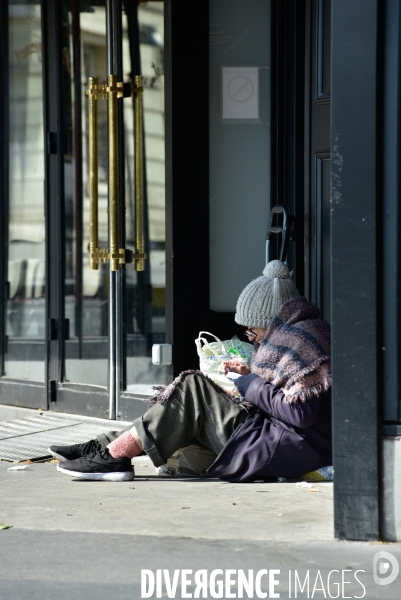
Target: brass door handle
{"points": [[93, 174], [116, 255], [137, 90]]}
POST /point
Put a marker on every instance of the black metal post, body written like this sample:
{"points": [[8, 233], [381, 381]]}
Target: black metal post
{"points": [[114, 66], [354, 266], [390, 214]]}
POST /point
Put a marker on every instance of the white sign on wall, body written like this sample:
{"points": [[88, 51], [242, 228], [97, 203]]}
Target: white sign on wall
{"points": [[240, 94]]}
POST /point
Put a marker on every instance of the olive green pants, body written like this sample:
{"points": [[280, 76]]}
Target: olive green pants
{"points": [[197, 412]]}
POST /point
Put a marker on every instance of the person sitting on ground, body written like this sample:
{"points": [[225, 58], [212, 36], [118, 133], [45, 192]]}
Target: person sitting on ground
{"points": [[279, 427]]}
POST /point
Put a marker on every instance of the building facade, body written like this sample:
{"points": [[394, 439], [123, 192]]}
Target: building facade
{"points": [[246, 106]]}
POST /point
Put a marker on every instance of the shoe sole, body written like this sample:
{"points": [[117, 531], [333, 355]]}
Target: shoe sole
{"points": [[58, 456], [117, 476]]}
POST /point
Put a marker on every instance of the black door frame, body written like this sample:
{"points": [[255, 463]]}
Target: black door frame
{"points": [[55, 142], [187, 181], [288, 125]]}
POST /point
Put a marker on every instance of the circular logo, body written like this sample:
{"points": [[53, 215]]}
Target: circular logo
{"points": [[381, 568]]}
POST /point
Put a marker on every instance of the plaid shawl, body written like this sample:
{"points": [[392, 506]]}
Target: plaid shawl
{"points": [[295, 352]]}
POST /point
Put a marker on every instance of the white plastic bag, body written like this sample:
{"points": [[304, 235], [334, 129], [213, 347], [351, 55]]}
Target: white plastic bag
{"points": [[211, 354]]}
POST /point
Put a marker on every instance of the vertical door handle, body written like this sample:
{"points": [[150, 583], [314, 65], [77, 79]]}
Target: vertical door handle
{"points": [[92, 94], [114, 212], [137, 90]]}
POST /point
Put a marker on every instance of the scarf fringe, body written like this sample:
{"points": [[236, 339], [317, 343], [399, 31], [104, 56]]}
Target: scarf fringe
{"points": [[316, 390], [321, 370], [163, 393], [313, 367]]}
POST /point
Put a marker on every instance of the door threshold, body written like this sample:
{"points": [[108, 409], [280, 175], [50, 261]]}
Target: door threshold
{"points": [[29, 438], [10, 413]]}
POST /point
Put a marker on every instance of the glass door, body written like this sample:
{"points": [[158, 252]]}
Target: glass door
{"points": [[95, 265], [114, 195], [26, 353], [86, 291], [23, 322]]}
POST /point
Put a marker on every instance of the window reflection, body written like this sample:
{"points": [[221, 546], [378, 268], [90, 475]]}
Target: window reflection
{"points": [[26, 232], [84, 54], [86, 301], [145, 295]]}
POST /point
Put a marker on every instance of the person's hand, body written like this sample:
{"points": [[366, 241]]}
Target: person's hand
{"points": [[235, 366]]}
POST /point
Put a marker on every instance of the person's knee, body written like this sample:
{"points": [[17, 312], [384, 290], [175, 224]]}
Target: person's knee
{"points": [[191, 377], [192, 381]]}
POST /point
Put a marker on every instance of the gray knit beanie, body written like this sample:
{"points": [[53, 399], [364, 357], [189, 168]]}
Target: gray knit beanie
{"points": [[261, 300]]}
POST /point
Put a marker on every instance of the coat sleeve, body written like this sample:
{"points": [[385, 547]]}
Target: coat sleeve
{"points": [[271, 400]]}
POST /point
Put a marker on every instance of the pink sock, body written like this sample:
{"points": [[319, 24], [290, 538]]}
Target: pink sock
{"points": [[124, 446]]}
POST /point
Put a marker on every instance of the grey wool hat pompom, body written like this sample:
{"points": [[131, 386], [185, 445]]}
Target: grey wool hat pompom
{"points": [[261, 300]]}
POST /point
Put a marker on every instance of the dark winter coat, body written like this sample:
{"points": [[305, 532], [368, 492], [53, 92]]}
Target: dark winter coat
{"points": [[277, 439]]}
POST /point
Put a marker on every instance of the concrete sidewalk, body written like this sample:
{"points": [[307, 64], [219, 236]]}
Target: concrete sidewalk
{"points": [[40, 497], [81, 540]]}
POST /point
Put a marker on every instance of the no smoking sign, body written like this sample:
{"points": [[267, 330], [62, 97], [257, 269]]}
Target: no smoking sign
{"points": [[240, 93], [240, 88]]}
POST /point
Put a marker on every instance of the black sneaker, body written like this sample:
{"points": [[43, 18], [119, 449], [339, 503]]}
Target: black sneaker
{"points": [[74, 451], [99, 466]]}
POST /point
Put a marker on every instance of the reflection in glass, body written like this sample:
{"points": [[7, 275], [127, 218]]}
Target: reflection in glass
{"points": [[145, 291], [86, 300], [26, 233]]}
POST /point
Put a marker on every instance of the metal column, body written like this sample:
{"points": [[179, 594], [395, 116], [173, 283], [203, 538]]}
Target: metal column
{"points": [[114, 67]]}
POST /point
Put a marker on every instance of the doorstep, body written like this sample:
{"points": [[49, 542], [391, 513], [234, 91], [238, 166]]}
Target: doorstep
{"points": [[28, 437]]}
